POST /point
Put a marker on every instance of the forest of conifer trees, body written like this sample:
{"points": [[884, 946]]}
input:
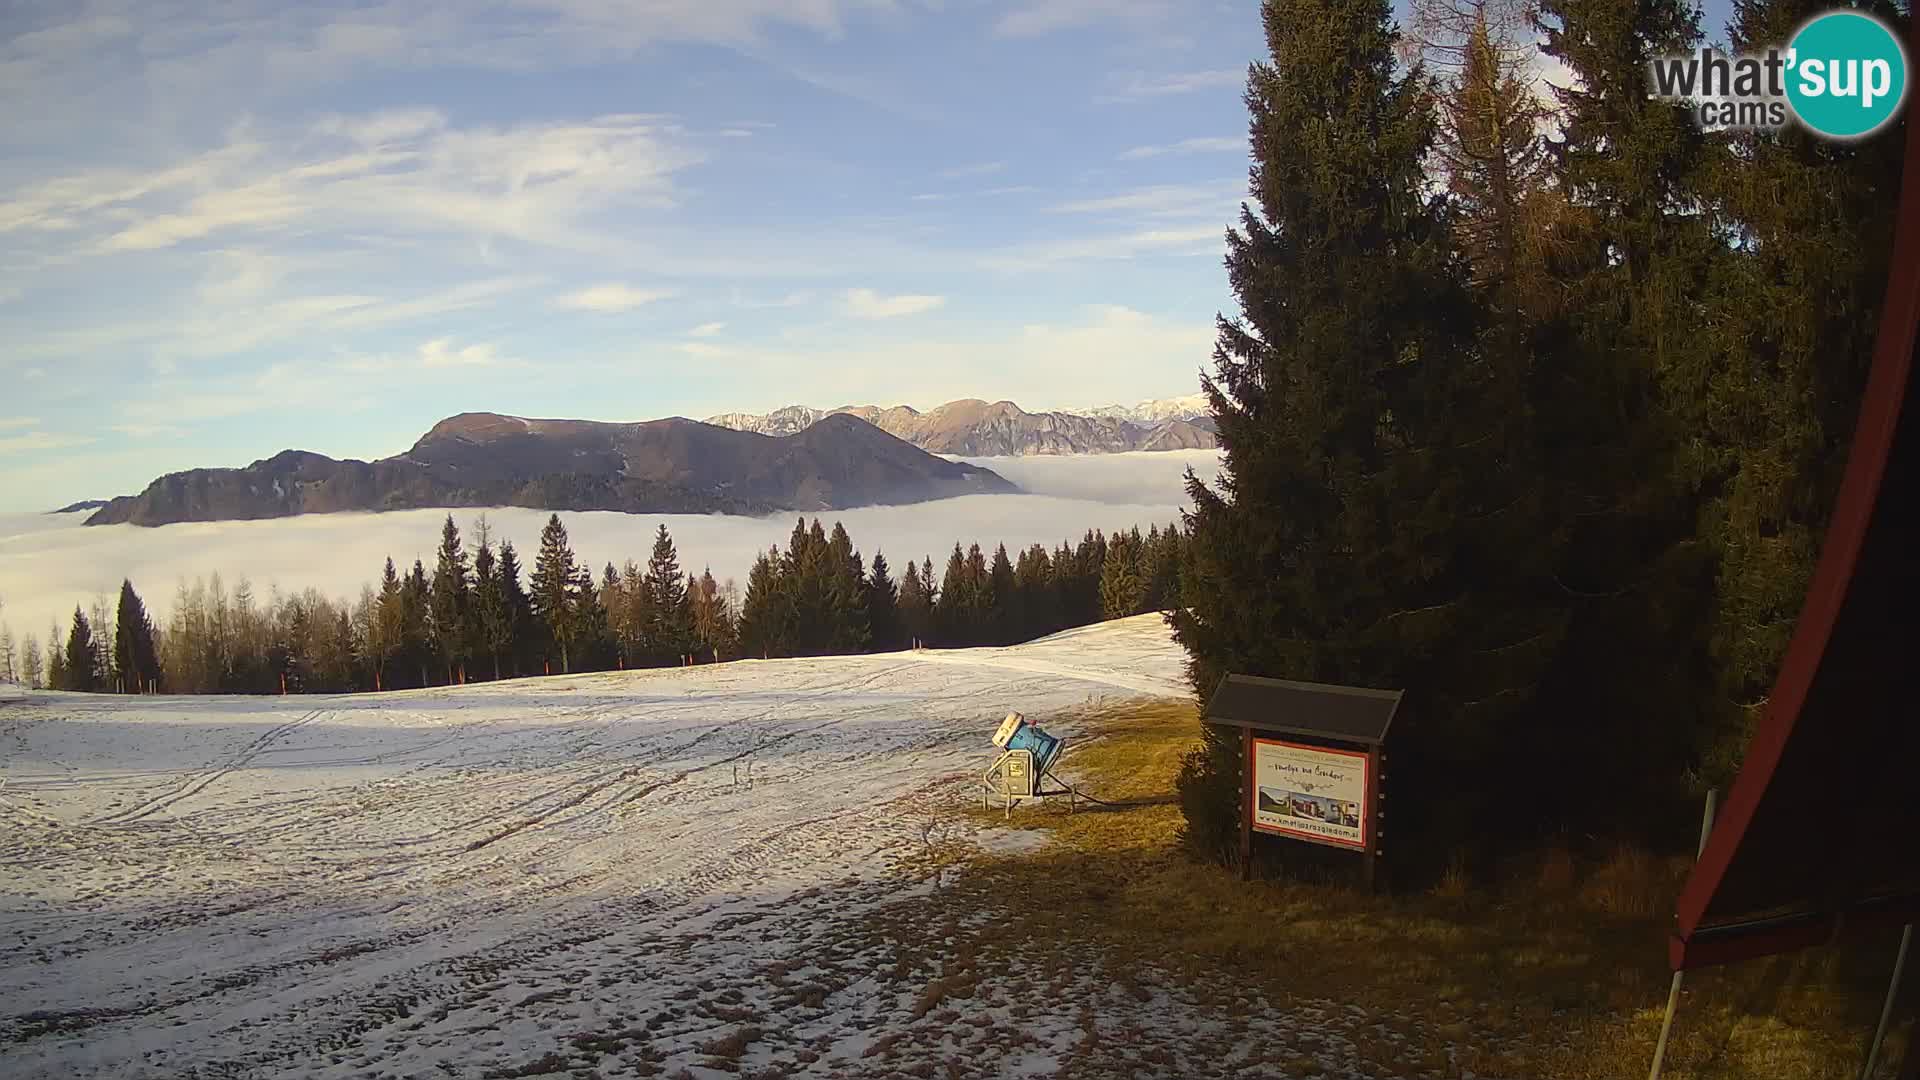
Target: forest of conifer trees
{"points": [[1535, 407], [483, 614]]}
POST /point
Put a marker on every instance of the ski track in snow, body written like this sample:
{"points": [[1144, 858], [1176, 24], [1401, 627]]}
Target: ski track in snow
{"points": [[445, 882]]}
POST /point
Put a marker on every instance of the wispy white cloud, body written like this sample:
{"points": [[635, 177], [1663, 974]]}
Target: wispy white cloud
{"points": [[204, 50], [1139, 87], [1183, 240], [212, 329], [41, 440], [612, 297], [397, 172], [341, 380], [1205, 145], [1131, 353], [384, 127], [984, 193], [796, 298], [150, 431], [442, 353], [1037, 17], [984, 168], [708, 329], [868, 304], [242, 274], [1213, 201], [13, 423]]}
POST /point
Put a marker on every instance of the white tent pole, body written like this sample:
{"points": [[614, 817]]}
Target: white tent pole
{"points": [[1673, 991], [1886, 1011]]}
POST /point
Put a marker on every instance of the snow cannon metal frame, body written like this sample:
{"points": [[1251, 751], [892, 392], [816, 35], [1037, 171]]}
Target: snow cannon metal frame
{"points": [[1024, 766]]}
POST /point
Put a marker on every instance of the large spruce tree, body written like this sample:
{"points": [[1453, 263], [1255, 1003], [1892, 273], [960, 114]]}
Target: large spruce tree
{"points": [[416, 634], [1771, 400], [451, 613], [763, 622], [916, 607], [77, 667], [670, 629], [846, 595], [1372, 517], [552, 593], [490, 624], [135, 655], [883, 606], [1631, 261], [519, 640]]}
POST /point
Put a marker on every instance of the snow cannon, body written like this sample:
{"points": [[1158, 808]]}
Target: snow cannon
{"points": [[1027, 757], [1016, 734]]}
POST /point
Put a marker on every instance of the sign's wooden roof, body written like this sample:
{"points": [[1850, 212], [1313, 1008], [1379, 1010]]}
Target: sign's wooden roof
{"points": [[1347, 713]]}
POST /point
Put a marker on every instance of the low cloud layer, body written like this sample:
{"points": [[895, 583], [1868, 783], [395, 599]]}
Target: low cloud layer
{"points": [[49, 563], [1141, 478]]}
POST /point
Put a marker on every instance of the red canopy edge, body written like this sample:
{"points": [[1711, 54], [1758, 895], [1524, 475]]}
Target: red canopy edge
{"points": [[1880, 408], [1803, 930]]}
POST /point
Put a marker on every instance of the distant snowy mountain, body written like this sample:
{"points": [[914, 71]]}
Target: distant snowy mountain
{"points": [[1157, 411], [1001, 428], [788, 421]]}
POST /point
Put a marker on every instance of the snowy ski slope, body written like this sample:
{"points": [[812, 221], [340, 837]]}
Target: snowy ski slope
{"points": [[442, 882]]}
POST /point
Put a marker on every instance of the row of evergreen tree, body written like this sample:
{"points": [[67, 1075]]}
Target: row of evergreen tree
{"points": [[126, 660], [818, 597], [482, 616], [1535, 406]]}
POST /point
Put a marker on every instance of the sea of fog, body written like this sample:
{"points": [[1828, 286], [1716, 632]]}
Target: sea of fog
{"points": [[50, 562]]}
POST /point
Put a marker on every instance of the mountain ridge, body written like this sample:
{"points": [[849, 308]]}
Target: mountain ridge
{"points": [[975, 427], [672, 465]]}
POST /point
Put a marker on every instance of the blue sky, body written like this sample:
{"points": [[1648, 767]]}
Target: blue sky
{"points": [[230, 228]]}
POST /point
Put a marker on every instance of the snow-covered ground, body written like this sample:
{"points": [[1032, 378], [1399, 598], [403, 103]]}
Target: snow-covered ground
{"points": [[462, 881]]}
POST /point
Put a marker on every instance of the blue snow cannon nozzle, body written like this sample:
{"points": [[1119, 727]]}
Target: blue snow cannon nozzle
{"points": [[1017, 734]]}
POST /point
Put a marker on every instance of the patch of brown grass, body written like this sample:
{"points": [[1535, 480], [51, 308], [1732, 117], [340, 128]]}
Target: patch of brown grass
{"points": [[1632, 884], [1558, 973], [939, 990], [1557, 871], [730, 1047]]}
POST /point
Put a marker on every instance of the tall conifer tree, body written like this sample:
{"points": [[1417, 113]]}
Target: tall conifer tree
{"points": [[883, 606], [551, 593], [78, 666], [1771, 400], [671, 618], [1367, 494], [135, 655], [451, 610], [490, 617]]}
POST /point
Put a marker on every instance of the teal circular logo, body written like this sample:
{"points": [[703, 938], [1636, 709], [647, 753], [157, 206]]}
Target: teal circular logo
{"points": [[1847, 74]]}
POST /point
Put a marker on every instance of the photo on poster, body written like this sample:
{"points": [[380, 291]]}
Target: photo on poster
{"points": [[1312, 793]]}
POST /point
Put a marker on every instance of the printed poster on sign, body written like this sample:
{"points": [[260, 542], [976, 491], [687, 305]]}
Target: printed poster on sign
{"points": [[1310, 792]]}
